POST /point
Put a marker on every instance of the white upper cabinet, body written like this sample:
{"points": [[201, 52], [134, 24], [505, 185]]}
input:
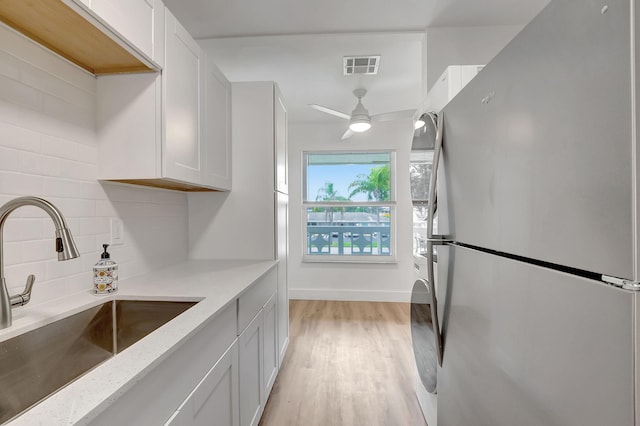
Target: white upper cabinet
{"points": [[281, 143], [183, 157], [133, 19], [216, 123], [169, 130], [452, 81]]}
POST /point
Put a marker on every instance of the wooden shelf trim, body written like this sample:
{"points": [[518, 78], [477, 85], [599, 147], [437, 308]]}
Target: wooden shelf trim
{"points": [[58, 27]]}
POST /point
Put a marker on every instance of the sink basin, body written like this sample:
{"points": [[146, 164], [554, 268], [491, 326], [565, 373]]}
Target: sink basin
{"points": [[36, 364]]}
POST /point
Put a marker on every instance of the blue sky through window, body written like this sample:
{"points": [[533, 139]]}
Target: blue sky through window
{"points": [[341, 175]]}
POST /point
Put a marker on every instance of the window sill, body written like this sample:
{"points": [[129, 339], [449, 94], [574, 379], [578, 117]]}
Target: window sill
{"points": [[349, 259]]}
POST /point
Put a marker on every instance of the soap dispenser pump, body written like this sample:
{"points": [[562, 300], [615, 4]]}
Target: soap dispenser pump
{"points": [[105, 274]]}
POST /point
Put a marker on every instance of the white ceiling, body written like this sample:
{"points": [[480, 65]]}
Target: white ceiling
{"points": [[308, 70], [236, 18], [300, 44]]}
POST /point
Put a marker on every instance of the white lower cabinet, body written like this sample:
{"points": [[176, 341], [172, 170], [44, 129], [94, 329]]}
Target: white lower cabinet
{"points": [[251, 371], [257, 346], [270, 321], [215, 399], [258, 354]]}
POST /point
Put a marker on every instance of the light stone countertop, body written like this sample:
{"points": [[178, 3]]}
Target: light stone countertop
{"points": [[216, 283]]}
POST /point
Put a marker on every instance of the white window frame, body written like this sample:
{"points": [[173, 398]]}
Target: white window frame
{"points": [[392, 204]]}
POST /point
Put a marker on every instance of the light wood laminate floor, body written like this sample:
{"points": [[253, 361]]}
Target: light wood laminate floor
{"points": [[348, 364]]}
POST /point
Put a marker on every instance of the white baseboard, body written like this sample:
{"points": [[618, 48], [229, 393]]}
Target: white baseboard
{"points": [[283, 352], [350, 295]]}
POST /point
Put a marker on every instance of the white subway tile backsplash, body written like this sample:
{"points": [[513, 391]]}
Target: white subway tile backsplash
{"points": [[56, 107], [48, 148], [29, 212], [169, 197], [12, 253], [20, 183], [86, 244], [16, 93], [38, 250], [29, 162], [8, 66], [104, 208], [26, 229], [83, 226], [29, 54], [55, 269], [50, 166], [9, 159], [41, 124], [18, 137], [175, 211], [16, 275], [75, 207], [70, 150], [72, 169], [63, 188], [49, 83], [127, 193]]}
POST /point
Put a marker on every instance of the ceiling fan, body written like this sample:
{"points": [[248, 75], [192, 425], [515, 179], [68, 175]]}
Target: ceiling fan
{"points": [[360, 120]]}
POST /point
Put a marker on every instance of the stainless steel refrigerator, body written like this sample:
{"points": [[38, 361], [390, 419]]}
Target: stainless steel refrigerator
{"points": [[537, 201]]}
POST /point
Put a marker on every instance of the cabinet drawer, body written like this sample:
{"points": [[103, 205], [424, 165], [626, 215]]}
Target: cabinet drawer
{"points": [[252, 300]]}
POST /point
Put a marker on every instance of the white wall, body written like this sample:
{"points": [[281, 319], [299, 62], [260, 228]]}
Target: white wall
{"points": [[339, 281], [464, 46], [48, 148]]}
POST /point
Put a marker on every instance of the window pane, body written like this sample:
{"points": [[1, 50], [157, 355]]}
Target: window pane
{"points": [[340, 177], [419, 175], [349, 230]]}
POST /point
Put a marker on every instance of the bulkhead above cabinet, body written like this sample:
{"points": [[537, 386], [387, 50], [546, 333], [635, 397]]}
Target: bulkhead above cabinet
{"points": [[76, 33]]}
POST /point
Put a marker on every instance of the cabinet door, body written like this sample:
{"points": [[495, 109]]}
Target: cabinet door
{"points": [[438, 95], [182, 153], [281, 143], [251, 372], [215, 397], [282, 247], [270, 321], [133, 19], [216, 123]]}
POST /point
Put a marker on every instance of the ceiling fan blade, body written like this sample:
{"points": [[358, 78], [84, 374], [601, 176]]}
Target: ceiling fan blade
{"points": [[330, 111], [347, 134], [395, 115]]}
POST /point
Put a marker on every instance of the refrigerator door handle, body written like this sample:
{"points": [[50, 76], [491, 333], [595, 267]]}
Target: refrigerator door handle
{"points": [[432, 239], [431, 202], [434, 176]]}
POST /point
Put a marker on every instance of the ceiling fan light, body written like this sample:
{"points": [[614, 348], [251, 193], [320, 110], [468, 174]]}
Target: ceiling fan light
{"points": [[359, 126]]}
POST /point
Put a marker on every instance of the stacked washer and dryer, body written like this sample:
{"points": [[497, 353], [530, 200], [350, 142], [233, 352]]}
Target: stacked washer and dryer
{"points": [[425, 329]]}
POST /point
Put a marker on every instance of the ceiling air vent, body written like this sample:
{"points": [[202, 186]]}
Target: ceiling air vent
{"points": [[361, 65]]}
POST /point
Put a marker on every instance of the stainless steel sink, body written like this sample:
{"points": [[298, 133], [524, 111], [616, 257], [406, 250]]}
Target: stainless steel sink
{"points": [[36, 364]]}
